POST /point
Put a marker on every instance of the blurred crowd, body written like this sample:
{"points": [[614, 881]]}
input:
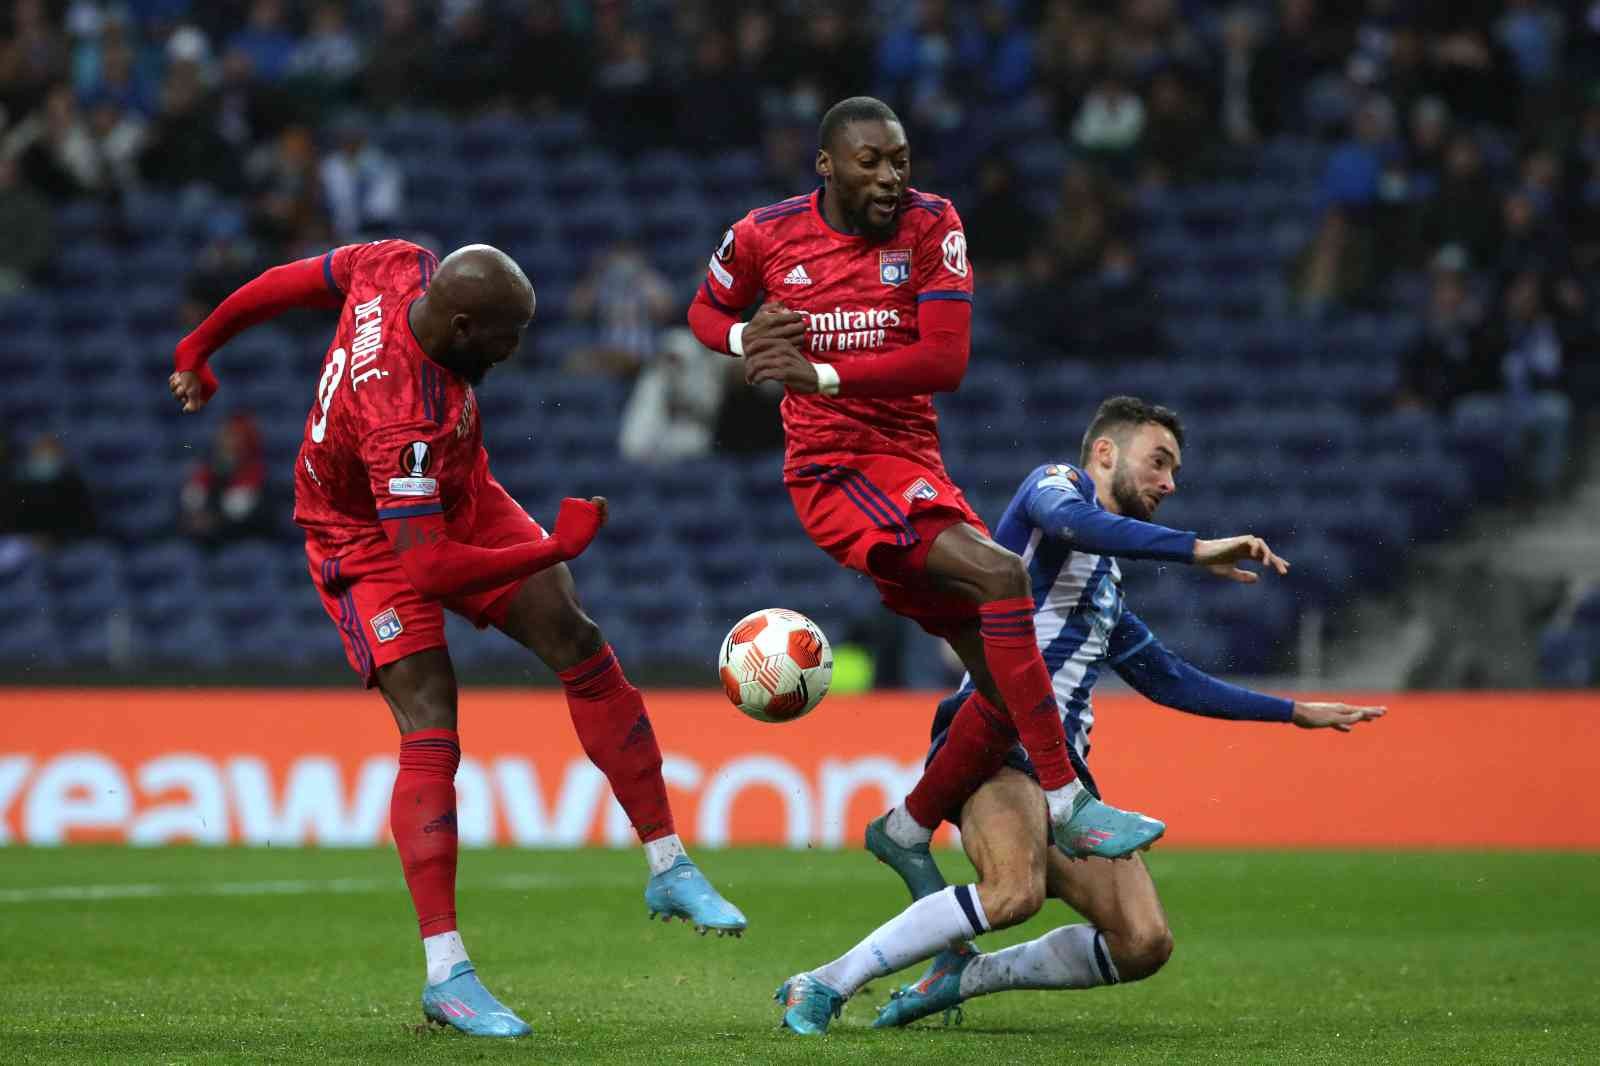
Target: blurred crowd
{"points": [[1462, 182]]}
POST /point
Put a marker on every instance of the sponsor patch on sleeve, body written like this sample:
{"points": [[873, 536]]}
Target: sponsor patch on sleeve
{"points": [[413, 486], [1058, 476], [724, 255]]}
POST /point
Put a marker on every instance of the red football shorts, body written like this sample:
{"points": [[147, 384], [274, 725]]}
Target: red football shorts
{"points": [[381, 617], [880, 514]]}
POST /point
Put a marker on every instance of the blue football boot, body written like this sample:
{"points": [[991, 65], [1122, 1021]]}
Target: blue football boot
{"points": [[938, 989], [1096, 828], [809, 1005], [682, 891], [461, 1001], [914, 865]]}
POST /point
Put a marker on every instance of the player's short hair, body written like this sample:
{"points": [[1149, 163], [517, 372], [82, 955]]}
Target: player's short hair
{"points": [[852, 109], [1120, 414]]}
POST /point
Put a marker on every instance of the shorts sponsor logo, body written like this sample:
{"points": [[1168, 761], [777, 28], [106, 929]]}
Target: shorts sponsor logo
{"points": [[386, 625], [413, 486], [920, 490], [954, 247], [415, 459], [894, 266]]}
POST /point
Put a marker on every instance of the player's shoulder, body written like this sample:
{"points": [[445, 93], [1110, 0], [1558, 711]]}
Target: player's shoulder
{"points": [[1063, 476], [766, 217], [926, 207]]}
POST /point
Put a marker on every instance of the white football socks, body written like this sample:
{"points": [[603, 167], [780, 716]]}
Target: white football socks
{"points": [[662, 852], [443, 951], [1073, 956], [906, 830], [1060, 801], [919, 932]]}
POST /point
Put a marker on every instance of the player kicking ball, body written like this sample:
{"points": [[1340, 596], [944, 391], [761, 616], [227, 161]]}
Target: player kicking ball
{"points": [[872, 314], [1069, 522], [403, 520]]}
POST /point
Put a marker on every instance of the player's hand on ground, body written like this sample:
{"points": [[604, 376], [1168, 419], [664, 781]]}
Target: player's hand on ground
{"points": [[1220, 557], [1340, 716], [577, 523], [781, 363], [774, 325], [189, 390]]}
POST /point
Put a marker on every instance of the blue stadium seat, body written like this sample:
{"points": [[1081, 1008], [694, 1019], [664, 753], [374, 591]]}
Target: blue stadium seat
{"points": [[655, 175], [250, 566]]}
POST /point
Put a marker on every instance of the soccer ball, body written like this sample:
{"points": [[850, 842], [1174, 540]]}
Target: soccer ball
{"points": [[776, 665]]}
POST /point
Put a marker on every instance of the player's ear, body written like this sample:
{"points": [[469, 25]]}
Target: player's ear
{"points": [[461, 326], [824, 164]]}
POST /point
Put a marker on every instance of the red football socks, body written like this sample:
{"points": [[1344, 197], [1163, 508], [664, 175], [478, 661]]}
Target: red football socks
{"points": [[1024, 683], [615, 732], [422, 816], [975, 747]]}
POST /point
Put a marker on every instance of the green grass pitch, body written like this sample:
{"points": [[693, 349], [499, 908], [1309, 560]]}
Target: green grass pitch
{"points": [[272, 956]]}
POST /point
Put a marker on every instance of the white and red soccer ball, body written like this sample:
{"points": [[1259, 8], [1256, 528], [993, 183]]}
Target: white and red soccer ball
{"points": [[776, 665]]}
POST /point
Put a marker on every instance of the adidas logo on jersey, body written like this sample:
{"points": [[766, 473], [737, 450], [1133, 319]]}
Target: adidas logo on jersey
{"points": [[797, 276]]}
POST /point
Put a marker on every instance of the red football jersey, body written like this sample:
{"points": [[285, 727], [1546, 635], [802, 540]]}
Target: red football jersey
{"points": [[860, 298], [390, 430]]}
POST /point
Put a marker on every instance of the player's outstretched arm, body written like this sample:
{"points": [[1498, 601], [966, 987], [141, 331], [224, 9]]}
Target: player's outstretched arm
{"points": [[1162, 677], [1057, 506], [439, 567], [302, 283]]}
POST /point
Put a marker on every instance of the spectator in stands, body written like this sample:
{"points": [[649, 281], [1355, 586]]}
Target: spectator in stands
{"points": [[1304, 48], [329, 58], [838, 62], [1525, 355], [1113, 315], [1341, 266], [119, 134], [29, 233], [462, 75], [266, 40], [362, 187], [106, 66], [54, 148], [1000, 225], [53, 502], [223, 498], [996, 53], [1109, 123], [1072, 55], [38, 54], [396, 69], [1443, 364], [1177, 142], [1466, 209], [285, 188], [561, 76], [628, 104], [708, 116], [628, 301], [1237, 70], [184, 144], [672, 412]]}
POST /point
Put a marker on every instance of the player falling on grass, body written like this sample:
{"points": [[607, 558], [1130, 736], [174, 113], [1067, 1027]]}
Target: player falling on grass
{"points": [[1068, 523], [403, 519]]}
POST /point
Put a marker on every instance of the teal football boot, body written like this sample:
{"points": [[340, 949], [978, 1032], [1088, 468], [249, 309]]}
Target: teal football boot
{"points": [[682, 891], [938, 989], [809, 1005], [461, 1002], [1096, 828], [914, 865]]}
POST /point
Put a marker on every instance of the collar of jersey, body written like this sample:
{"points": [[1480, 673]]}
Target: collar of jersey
{"points": [[826, 226]]}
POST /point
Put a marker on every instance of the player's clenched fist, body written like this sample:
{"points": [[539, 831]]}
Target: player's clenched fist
{"points": [[577, 523], [783, 364], [189, 390]]}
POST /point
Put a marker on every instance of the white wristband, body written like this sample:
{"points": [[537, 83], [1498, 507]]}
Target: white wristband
{"points": [[827, 379], [736, 338]]}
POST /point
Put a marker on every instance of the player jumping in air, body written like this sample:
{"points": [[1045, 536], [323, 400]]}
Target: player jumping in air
{"points": [[403, 519], [1067, 522]]}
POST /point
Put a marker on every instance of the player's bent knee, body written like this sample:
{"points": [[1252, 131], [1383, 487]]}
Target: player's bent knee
{"points": [[1009, 904], [1007, 578], [1144, 952]]}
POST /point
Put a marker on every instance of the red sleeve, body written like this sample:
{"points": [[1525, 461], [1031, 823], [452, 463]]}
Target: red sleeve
{"points": [[439, 567], [939, 266], [732, 283], [935, 363], [302, 283]]}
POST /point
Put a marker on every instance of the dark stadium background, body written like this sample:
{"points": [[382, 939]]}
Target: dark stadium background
{"points": [[1243, 211]]}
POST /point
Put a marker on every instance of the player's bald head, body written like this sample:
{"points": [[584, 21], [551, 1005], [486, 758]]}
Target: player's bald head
{"points": [[474, 313], [483, 283]]}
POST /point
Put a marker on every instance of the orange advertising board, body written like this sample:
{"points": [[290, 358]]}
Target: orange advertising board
{"points": [[288, 767]]}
